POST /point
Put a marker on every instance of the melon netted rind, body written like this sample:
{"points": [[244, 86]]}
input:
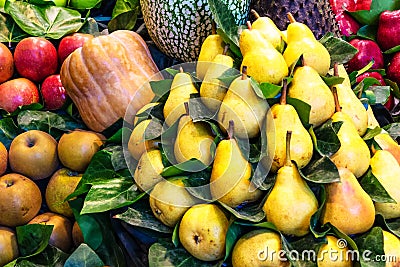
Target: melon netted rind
{"points": [[178, 28], [316, 14]]}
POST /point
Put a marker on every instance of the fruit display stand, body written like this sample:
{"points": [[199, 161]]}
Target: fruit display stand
{"points": [[134, 133]]}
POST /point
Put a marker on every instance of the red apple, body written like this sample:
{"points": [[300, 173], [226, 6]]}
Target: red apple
{"points": [[18, 92], [69, 43], [35, 58], [338, 6], [362, 5], [367, 51], [6, 63], [53, 92], [388, 34], [347, 25], [393, 68]]}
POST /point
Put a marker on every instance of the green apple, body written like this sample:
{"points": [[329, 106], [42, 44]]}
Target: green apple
{"points": [[34, 154]]}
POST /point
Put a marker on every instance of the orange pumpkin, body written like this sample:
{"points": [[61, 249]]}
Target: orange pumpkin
{"points": [[104, 75]]}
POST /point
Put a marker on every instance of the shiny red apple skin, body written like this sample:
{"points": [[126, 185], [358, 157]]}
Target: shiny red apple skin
{"points": [[362, 5], [35, 58], [6, 63], [393, 68], [368, 50], [338, 6], [347, 25], [18, 92], [70, 43], [53, 92], [388, 34]]}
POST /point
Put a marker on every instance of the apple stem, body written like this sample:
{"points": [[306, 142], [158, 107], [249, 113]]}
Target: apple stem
{"points": [[255, 14], [244, 72], [248, 23], [290, 17], [230, 129], [9, 183], [288, 159], [186, 104], [284, 93], [226, 48]]}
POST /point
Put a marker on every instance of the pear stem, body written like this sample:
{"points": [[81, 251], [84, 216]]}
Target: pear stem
{"points": [[248, 23], [181, 69], [290, 17], [255, 14], [244, 72], [283, 93], [213, 27], [334, 90], [226, 48], [186, 104], [230, 129], [288, 159], [9, 183]]}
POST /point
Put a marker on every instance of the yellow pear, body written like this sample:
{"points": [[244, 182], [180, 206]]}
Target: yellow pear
{"points": [[213, 45], [230, 176], [346, 201], [264, 62], [202, 232], [137, 143], [309, 87], [334, 254], [212, 90], [181, 88], [285, 118], [291, 203], [372, 121], [386, 169], [301, 42], [258, 248], [169, 200], [268, 30], [391, 247], [148, 170], [193, 140], [386, 142], [244, 107], [350, 103], [353, 153]]}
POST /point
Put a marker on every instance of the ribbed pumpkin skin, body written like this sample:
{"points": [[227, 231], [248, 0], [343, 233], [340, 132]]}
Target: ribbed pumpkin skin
{"points": [[178, 28], [104, 75]]}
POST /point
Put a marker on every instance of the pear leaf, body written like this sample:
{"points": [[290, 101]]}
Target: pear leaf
{"points": [[308, 247], [321, 171], [371, 133], [198, 111], [374, 188], [164, 253], [225, 20], [256, 87], [83, 256], [161, 88], [325, 139], [372, 243], [332, 80], [264, 225], [270, 90], [340, 50], [394, 87], [345, 239], [153, 130], [140, 215], [316, 228], [392, 225], [302, 108], [32, 239], [233, 234], [393, 129], [228, 76], [232, 46], [192, 165], [252, 212]]}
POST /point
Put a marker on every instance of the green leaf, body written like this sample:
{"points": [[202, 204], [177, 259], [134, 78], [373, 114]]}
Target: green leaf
{"points": [[8, 131], [83, 256], [381, 93], [84, 4], [270, 90], [393, 129], [118, 160], [264, 225], [325, 138], [372, 242], [224, 19], [164, 253], [368, 32], [232, 47], [374, 188], [307, 246], [316, 228], [340, 50], [153, 129], [371, 17], [192, 165], [116, 138], [256, 87], [233, 234], [228, 76], [47, 257], [198, 111], [49, 122], [392, 50], [47, 21], [321, 171], [10, 32], [371, 133], [172, 71], [252, 212], [392, 225], [140, 215], [302, 108], [124, 21], [349, 241], [122, 6], [175, 235], [394, 87], [161, 88], [32, 239], [332, 80]]}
